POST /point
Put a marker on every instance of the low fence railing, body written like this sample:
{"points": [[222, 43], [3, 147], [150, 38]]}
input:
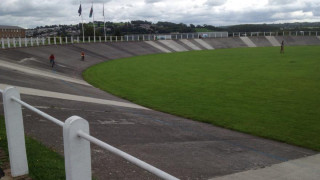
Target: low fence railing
{"points": [[76, 139], [280, 33], [42, 41]]}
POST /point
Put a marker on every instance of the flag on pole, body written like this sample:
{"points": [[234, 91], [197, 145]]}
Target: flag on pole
{"points": [[91, 12], [80, 10]]}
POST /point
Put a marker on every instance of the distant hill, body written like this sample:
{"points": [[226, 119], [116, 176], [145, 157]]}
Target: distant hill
{"points": [[146, 27]]}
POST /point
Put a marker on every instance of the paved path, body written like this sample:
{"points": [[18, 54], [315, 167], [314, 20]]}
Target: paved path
{"points": [[49, 94], [47, 73], [301, 169]]}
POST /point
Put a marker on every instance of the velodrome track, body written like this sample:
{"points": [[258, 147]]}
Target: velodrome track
{"points": [[181, 147]]}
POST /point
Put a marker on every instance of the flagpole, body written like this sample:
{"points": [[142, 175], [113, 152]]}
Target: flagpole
{"points": [[82, 24], [82, 29], [94, 28], [104, 23]]}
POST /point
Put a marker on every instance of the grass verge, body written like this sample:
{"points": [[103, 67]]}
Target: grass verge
{"points": [[43, 162], [252, 90]]}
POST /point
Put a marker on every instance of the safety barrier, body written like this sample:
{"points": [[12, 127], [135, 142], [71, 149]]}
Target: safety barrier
{"points": [[76, 139], [280, 33], [42, 41]]}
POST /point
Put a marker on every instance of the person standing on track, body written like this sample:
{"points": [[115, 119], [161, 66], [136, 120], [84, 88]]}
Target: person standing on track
{"points": [[52, 58], [282, 48], [82, 56]]}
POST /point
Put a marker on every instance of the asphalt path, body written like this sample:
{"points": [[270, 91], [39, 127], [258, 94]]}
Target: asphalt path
{"points": [[179, 146]]}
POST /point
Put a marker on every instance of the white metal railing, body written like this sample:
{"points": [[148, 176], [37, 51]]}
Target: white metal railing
{"points": [[76, 139], [42, 41], [280, 33]]}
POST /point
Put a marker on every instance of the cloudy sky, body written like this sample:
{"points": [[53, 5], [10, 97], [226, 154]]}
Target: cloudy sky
{"points": [[32, 13]]}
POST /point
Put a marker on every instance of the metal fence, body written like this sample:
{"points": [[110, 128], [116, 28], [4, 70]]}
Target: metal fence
{"points": [[76, 139], [42, 41], [279, 33]]}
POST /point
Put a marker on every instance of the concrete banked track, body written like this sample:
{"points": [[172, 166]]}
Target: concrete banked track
{"points": [[181, 147]]}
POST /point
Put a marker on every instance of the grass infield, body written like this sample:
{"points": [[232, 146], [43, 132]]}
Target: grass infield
{"points": [[43, 162], [252, 90]]}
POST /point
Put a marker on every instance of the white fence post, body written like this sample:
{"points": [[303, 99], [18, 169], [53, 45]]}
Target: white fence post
{"points": [[20, 45], [55, 40], [37, 41], [8, 41], [71, 39], [2, 42], [25, 42], [15, 133], [14, 42], [99, 38], [60, 40], [76, 150], [66, 38], [89, 39]]}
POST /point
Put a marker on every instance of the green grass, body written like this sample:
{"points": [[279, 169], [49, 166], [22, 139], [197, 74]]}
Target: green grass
{"points": [[43, 162], [253, 90]]}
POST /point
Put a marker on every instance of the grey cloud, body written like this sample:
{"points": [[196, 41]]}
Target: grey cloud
{"points": [[151, 1], [89, 1], [31, 13], [281, 2], [215, 2]]}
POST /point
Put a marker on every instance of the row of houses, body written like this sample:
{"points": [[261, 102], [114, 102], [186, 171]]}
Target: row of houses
{"points": [[11, 31]]}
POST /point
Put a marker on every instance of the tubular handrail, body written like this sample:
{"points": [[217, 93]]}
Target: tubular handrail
{"points": [[15, 129], [54, 120], [126, 156]]}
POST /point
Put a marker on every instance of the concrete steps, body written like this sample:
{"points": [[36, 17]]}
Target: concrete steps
{"points": [[248, 42], [152, 43], [204, 44], [273, 41], [190, 44], [173, 45]]}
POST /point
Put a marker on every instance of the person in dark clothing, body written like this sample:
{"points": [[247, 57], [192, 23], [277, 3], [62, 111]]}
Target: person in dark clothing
{"points": [[282, 48], [52, 58], [82, 56]]}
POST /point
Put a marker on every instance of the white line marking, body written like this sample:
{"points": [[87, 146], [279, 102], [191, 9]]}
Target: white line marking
{"points": [[41, 72], [50, 94], [35, 60], [28, 59]]}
